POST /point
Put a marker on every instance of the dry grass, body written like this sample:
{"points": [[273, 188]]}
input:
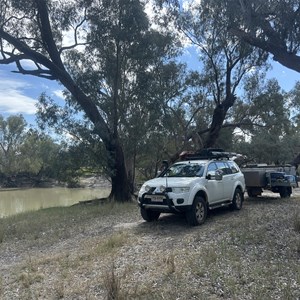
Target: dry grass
{"points": [[112, 284], [107, 252], [297, 221], [112, 243]]}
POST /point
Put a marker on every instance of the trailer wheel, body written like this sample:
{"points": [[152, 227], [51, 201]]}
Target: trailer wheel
{"points": [[254, 191], [250, 193], [285, 192]]}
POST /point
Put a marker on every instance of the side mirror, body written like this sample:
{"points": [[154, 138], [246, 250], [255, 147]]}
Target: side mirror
{"points": [[163, 168], [208, 176], [219, 174], [165, 165]]}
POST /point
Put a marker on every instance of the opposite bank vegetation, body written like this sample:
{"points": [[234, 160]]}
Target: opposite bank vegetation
{"points": [[107, 252]]}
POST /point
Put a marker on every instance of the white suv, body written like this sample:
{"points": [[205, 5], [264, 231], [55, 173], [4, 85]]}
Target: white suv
{"points": [[192, 186]]}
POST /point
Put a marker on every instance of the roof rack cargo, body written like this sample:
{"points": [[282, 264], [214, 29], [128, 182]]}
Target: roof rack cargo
{"points": [[208, 153]]}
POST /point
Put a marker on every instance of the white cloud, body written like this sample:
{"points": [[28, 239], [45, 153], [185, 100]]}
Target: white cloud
{"points": [[12, 98], [190, 4], [28, 64], [59, 94]]}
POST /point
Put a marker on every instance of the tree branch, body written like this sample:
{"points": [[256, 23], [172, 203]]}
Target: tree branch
{"points": [[47, 35], [282, 55], [75, 36]]}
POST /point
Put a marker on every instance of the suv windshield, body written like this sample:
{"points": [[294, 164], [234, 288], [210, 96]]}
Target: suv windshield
{"points": [[185, 170]]}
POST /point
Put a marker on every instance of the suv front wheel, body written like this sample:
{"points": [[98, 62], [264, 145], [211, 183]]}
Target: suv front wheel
{"points": [[149, 215], [198, 212]]}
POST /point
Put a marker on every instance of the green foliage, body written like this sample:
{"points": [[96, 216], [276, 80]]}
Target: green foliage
{"points": [[12, 134], [31, 154], [119, 70], [271, 135], [226, 60], [39, 153], [276, 19]]}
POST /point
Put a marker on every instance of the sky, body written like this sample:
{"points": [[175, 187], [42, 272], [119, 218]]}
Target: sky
{"points": [[19, 93]]}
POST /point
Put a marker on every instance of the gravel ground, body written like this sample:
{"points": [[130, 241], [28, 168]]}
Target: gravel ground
{"points": [[249, 254]]}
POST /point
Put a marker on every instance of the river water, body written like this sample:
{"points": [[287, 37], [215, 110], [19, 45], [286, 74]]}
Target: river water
{"points": [[15, 201]]}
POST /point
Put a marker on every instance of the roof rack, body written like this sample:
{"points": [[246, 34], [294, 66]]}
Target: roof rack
{"points": [[209, 153]]}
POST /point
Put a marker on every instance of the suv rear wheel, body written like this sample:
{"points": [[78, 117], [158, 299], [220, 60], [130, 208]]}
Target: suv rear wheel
{"points": [[238, 198], [198, 212], [149, 215]]}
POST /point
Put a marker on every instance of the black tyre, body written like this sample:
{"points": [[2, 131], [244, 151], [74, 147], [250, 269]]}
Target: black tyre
{"points": [[238, 198], [149, 215], [251, 193], [198, 212], [285, 192]]}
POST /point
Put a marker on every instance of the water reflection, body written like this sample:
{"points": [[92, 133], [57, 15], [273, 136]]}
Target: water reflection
{"points": [[16, 201]]}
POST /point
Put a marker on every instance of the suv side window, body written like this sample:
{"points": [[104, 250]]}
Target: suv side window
{"points": [[224, 167], [234, 168], [211, 169]]}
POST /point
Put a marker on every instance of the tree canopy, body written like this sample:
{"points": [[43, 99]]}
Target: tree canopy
{"points": [[273, 26], [129, 102], [112, 50]]}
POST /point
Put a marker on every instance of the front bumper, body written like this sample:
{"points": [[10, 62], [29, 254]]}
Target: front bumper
{"points": [[165, 205]]}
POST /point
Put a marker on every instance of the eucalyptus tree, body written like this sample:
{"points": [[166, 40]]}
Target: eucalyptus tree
{"points": [[111, 46], [226, 60]]}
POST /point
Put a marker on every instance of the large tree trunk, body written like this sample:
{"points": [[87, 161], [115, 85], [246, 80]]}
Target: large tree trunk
{"points": [[120, 187], [218, 119], [130, 165]]}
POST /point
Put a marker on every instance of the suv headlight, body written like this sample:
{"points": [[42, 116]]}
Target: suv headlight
{"points": [[144, 189], [162, 189], [180, 190]]}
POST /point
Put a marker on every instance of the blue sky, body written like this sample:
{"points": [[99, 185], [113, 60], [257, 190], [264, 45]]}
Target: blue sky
{"points": [[19, 93]]}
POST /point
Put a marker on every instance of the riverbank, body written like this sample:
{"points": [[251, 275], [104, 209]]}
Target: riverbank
{"points": [[107, 252], [29, 181]]}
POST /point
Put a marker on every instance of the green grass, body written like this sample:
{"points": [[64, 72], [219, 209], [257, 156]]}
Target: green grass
{"points": [[56, 223]]}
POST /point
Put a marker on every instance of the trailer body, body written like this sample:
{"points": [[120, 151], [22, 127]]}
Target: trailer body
{"points": [[278, 179]]}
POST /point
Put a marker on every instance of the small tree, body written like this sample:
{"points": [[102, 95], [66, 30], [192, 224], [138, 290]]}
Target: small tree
{"points": [[12, 134], [40, 155], [271, 133]]}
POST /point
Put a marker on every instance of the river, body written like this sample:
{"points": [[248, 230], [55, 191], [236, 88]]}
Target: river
{"points": [[15, 201]]}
